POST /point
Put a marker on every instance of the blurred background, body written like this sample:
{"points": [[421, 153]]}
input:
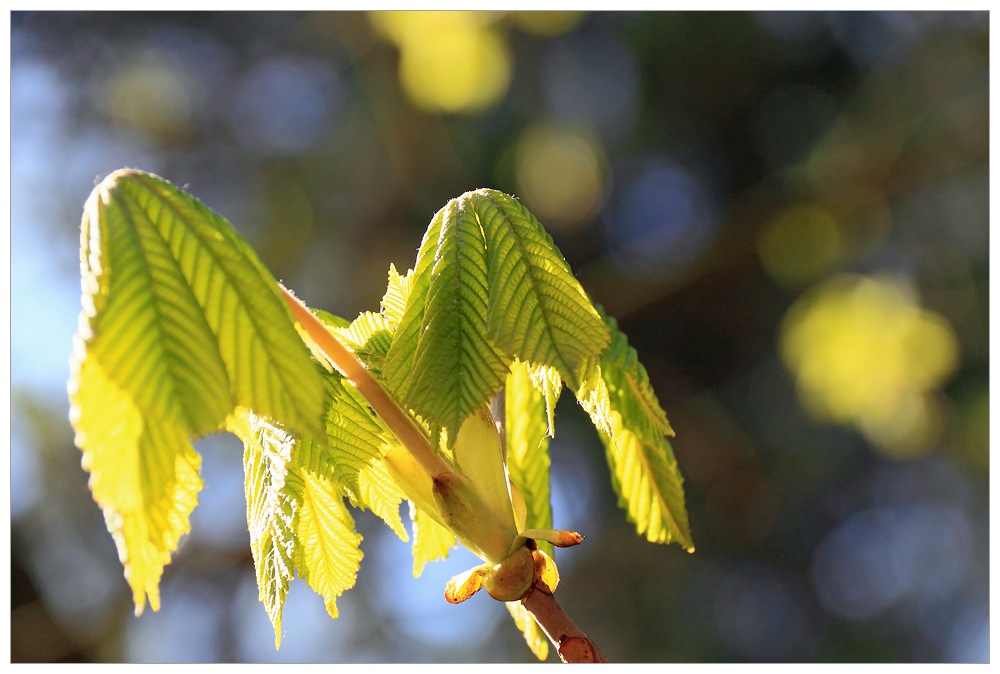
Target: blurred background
{"points": [[787, 213]]}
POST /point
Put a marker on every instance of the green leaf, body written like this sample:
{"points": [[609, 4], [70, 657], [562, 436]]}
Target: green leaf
{"points": [[537, 312], [399, 360], [369, 336], [528, 448], [648, 484], [272, 509], [396, 294], [533, 634], [615, 392], [431, 540], [181, 323], [629, 389], [327, 555], [355, 445], [454, 368], [296, 516]]}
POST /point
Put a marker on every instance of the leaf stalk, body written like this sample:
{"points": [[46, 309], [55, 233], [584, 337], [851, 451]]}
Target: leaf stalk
{"points": [[400, 423]]}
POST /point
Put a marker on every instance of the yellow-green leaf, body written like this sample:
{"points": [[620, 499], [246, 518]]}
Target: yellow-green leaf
{"points": [[538, 312], [648, 484], [528, 447], [615, 391], [143, 473], [180, 324], [533, 634], [272, 509], [629, 389], [431, 541], [480, 458], [399, 360], [355, 444], [396, 294], [369, 337], [454, 368], [327, 555], [296, 516]]}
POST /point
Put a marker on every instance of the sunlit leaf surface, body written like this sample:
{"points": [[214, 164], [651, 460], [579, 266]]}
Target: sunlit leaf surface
{"points": [[181, 323], [616, 393]]}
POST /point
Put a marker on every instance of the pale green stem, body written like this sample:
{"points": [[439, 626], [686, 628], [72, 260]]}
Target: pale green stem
{"points": [[400, 423]]}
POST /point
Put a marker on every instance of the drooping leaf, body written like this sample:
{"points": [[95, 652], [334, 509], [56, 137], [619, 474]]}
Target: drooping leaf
{"points": [[538, 312], [327, 555], [272, 510], [533, 634], [455, 370], [629, 389], [548, 382], [648, 484], [296, 515], [632, 426], [528, 448], [352, 454], [431, 541], [181, 323], [143, 473]]}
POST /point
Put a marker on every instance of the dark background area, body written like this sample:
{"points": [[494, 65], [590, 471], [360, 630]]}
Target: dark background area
{"points": [[786, 212]]}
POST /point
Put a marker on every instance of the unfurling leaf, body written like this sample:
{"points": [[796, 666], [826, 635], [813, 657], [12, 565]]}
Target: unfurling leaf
{"points": [[451, 343], [181, 323], [465, 584], [528, 447], [546, 571], [396, 294], [489, 285]]}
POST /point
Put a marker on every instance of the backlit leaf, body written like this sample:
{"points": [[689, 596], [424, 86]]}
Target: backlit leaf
{"points": [[296, 516], [431, 541], [538, 312], [629, 389], [352, 454], [533, 634], [369, 337], [399, 360], [455, 369], [181, 323], [396, 294], [327, 555], [272, 510], [648, 484], [528, 448], [615, 392]]}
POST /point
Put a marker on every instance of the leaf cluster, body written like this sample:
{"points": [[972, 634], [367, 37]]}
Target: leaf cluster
{"points": [[185, 333]]}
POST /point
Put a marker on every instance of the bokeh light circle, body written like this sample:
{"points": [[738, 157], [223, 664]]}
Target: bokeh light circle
{"points": [[286, 106], [660, 220], [559, 175]]}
